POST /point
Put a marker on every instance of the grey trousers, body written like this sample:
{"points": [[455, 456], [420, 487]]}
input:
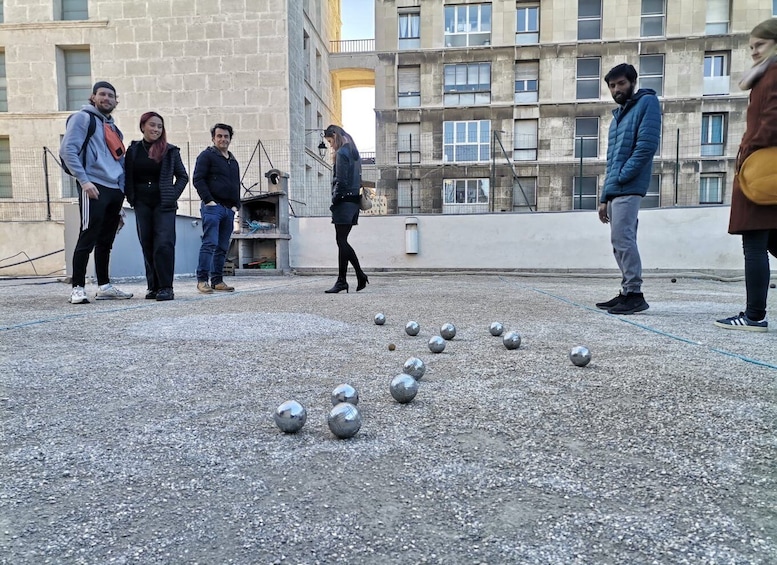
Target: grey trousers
{"points": [[623, 212]]}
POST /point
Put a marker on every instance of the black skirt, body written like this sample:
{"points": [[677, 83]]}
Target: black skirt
{"points": [[345, 213]]}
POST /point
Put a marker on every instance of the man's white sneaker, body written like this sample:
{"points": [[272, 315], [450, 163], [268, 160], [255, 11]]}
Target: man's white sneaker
{"points": [[78, 296], [110, 292]]}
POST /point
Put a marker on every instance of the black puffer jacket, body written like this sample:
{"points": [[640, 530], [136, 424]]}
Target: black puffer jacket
{"points": [[347, 175], [172, 168]]}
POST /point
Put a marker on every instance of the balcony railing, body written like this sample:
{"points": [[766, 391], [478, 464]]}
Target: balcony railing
{"points": [[352, 46]]}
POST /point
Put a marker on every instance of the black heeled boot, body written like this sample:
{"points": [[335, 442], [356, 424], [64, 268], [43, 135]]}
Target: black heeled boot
{"points": [[339, 285], [363, 280]]}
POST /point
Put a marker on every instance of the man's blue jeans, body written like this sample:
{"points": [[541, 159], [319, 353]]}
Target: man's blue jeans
{"points": [[217, 225]]}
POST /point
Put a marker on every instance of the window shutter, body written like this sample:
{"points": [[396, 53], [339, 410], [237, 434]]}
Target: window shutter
{"points": [[717, 11], [409, 80], [527, 71]]}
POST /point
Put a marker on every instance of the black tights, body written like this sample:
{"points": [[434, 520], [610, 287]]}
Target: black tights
{"points": [[755, 244], [345, 252]]}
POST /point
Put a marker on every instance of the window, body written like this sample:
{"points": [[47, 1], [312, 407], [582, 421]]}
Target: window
{"points": [[2, 12], [77, 78], [74, 10], [408, 199], [467, 84], [653, 15], [526, 81], [718, 12], [466, 141], [409, 143], [467, 25], [6, 190], [409, 87], [410, 30], [774, 8], [584, 193], [711, 189], [465, 191], [652, 198], [524, 193], [716, 75], [589, 19], [586, 138], [651, 73], [525, 140], [587, 79], [713, 134], [3, 85], [527, 25]]}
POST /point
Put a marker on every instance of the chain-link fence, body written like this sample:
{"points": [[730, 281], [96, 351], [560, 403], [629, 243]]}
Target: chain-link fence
{"points": [[39, 189], [429, 173]]}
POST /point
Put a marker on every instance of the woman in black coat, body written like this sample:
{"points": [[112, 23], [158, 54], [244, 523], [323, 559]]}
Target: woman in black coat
{"points": [[155, 178], [346, 182]]}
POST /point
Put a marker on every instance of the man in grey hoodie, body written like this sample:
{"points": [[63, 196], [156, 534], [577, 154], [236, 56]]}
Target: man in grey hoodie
{"points": [[99, 170]]}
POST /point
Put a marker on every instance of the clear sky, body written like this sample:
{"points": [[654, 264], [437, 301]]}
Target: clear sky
{"points": [[358, 103]]}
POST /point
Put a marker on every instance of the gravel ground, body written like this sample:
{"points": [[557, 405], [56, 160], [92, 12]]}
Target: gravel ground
{"points": [[142, 432]]}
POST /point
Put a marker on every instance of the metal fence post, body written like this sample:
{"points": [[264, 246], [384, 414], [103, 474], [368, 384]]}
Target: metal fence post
{"points": [[46, 184]]}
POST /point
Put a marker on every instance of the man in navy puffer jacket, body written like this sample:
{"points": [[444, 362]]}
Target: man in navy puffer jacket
{"points": [[634, 135]]}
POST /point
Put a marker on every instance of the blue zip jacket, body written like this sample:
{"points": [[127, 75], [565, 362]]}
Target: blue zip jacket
{"points": [[101, 168], [634, 135]]}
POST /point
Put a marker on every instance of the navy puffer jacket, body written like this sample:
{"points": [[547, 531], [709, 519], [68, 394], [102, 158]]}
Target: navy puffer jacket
{"points": [[635, 132]]}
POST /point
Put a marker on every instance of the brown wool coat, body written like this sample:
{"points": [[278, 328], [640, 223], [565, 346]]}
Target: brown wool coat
{"points": [[761, 132]]}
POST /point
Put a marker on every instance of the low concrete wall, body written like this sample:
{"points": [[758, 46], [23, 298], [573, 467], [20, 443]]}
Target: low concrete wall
{"points": [[20, 241], [676, 239], [683, 239]]}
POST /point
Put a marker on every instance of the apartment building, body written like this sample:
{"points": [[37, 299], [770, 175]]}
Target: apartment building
{"points": [[500, 106], [261, 66]]}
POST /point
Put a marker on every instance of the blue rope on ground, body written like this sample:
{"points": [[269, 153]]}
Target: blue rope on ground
{"points": [[659, 332]]}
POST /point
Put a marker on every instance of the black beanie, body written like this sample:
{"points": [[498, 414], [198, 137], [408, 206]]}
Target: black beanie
{"points": [[102, 84]]}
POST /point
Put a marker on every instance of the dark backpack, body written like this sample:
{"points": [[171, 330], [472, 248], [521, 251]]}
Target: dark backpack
{"points": [[89, 133]]}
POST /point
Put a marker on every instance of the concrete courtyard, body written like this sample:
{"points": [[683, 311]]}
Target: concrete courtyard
{"points": [[142, 432]]}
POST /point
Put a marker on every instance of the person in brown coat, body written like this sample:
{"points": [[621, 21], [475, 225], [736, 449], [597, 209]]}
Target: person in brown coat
{"points": [[755, 223]]}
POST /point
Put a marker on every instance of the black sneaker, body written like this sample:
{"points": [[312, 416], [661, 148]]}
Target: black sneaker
{"points": [[742, 322], [165, 294], [631, 304], [612, 302], [151, 294]]}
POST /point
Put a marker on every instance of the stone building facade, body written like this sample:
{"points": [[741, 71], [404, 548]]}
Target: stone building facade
{"points": [[501, 105], [259, 65]]}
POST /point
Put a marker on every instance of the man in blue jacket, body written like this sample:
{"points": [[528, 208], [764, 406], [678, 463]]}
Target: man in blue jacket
{"points": [[634, 135], [217, 180], [93, 151]]}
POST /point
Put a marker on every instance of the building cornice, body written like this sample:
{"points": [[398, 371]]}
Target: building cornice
{"points": [[79, 24]]}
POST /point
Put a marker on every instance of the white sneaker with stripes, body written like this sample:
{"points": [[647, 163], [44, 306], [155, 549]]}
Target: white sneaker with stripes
{"points": [[110, 292], [78, 296]]}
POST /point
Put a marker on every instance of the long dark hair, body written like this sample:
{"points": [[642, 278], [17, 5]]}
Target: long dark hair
{"points": [[341, 137], [158, 149]]}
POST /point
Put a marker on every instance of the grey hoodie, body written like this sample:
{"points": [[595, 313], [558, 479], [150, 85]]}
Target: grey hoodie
{"points": [[101, 167]]}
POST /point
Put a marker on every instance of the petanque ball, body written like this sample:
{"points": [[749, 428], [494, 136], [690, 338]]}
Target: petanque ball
{"points": [[496, 329], [674, 280], [448, 331], [345, 393], [380, 319], [412, 328], [773, 285], [344, 420], [403, 388], [436, 344], [512, 340], [415, 368], [580, 356], [391, 347], [290, 416]]}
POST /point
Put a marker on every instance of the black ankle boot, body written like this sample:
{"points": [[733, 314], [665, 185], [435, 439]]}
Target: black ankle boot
{"points": [[339, 285], [362, 280]]}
